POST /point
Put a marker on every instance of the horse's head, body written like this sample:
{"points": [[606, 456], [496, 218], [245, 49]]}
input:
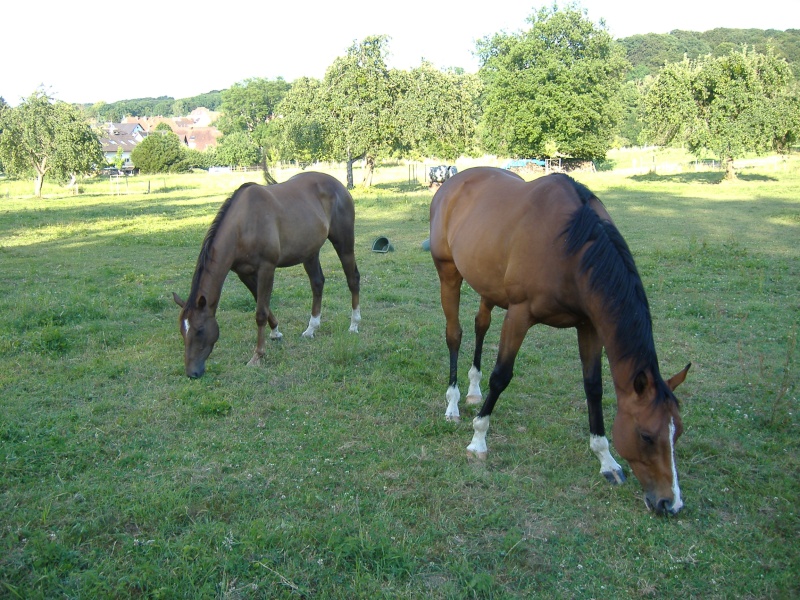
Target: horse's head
{"points": [[646, 428], [200, 332]]}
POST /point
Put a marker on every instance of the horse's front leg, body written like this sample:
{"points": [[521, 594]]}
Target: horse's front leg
{"points": [[482, 321], [317, 280], [591, 348], [515, 325], [264, 316], [450, 288]]}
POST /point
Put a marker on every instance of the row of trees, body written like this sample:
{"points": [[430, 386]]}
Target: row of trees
{"points": [[557, 89]]}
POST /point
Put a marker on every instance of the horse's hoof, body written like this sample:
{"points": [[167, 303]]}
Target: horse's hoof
{"points": [[480, 456], [614, 477], [307, 335], [473, 399], [254, 362], [276, 336], [452, 418], [353, 328]]}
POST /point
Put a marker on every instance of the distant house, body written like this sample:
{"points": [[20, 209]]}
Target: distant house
{"points": [[198, 138], [194, 130], [124, 136]]}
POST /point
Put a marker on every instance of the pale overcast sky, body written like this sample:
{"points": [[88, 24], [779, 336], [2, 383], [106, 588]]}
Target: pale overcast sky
{"points": [[93, 50]]}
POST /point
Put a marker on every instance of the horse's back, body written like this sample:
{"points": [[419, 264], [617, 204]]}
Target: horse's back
{"points": [[502, 233], [286, 222]]}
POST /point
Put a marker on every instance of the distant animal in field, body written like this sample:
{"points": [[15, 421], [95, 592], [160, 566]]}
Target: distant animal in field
{"points": [[548, 252], [260, 229]]}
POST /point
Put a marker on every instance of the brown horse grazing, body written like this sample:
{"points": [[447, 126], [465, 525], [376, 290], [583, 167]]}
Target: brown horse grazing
{"points": [[257, 230], [548, 252]]}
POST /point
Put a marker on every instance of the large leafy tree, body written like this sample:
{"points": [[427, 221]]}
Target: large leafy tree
{"points": [[731, 105], [356, 105], [436, 112], [301, 134], [160, 152], [250, 104], [42, 137], [554, 88], [248, 108], [238, 149]]}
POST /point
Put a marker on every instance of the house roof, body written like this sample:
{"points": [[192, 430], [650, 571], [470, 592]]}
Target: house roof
{"points": [[198, 138], [121, 135]]}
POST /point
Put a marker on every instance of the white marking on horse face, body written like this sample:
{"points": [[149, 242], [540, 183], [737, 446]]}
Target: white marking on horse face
{"points": [[452, 396], [185, 326], [600, 447], [677, 503]]}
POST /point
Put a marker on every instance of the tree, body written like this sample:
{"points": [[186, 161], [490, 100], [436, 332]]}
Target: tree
{"points": [[238, 149], [249, 108], [160, 152], [555, 87], [300, 127], [41, 137], [731, 105], [249, 104], [356, 105], [436, 112]]}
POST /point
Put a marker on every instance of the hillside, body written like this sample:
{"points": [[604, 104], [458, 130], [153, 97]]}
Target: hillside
{"points": [[649, 52]]}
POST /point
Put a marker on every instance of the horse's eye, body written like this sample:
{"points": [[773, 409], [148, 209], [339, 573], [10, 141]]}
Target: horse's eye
{"points": [[647, 439]]}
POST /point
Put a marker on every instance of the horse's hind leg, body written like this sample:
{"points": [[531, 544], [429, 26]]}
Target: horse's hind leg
{"points": [[317, 280], [345, 249], [450, 283], [482, 321], [590, 348]]}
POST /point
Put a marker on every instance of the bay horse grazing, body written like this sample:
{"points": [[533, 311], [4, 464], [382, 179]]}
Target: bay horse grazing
{"points": [[548, 252], [257, 230]]}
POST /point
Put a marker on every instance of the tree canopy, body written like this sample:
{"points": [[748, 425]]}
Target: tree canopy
{"points": [[554, 89], [356, 105], [731, 105], [41, 137], [436, 112], [160, 152]]}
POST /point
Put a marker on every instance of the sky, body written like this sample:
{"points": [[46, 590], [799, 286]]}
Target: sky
{"points": [[86, 51]]}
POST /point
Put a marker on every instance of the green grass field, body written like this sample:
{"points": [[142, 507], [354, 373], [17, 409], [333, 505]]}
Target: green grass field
{"points": [[329, 471]]}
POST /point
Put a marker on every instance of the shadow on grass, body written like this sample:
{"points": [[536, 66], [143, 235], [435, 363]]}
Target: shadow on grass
{"points": [[707, 177]]}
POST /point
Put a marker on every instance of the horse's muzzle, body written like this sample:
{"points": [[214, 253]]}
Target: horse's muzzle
{"points": [[195, 372], [662, 506]]}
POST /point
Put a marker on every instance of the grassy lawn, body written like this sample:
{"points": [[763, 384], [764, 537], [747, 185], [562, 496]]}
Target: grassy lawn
{"points": [[330, 471]]}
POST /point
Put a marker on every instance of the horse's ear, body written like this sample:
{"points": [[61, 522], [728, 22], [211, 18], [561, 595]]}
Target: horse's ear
{"points": [[201, 302], [678, 378], [640, 383], [178, 300]]}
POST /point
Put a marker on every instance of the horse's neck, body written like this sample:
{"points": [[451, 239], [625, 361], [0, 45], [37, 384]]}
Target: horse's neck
{"points": [[215, 271], [620, 364]]}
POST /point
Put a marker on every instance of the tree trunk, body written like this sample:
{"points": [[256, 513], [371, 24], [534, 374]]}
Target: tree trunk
{"points": [[350, 184], [37, 185], [369, 167], [268, 178], [730, 172]]}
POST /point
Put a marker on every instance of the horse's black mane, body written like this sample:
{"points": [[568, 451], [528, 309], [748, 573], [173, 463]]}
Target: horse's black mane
{"points": [[205, 249], [613, 275]]}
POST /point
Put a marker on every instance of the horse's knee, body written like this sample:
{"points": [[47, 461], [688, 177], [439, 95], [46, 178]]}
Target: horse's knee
{"points": [[262, 316]]}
